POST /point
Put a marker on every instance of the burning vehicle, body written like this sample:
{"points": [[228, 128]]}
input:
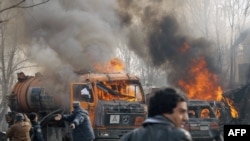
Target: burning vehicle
{"points": [[203, 123], [237, 103], [115, 102]]}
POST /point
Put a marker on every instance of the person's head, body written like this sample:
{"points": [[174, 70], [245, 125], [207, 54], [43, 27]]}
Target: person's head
{"points": [[19, 117], [171, 104], [76, 104], [33, 116]]}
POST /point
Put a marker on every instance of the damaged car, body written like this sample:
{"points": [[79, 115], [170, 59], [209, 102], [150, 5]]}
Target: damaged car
{"points": [[203, 124]]}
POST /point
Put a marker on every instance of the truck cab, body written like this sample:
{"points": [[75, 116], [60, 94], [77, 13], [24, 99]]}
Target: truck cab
{"points": [[115, 102]]}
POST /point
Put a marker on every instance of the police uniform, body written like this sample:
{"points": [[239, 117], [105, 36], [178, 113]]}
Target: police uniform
{"points": [[83, 130]]}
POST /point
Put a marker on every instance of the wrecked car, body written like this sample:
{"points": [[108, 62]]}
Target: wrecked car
{"points": [[203, 123]]}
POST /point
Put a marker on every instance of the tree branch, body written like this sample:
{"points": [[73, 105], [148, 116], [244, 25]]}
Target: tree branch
{"points": [[33, 4], [12, 6]]}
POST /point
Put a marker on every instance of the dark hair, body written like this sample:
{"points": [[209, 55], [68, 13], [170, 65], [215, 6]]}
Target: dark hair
{"points": [[32, 116], [164, 101]]}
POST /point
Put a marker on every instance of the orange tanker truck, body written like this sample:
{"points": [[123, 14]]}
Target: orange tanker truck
{"points": [[115, 102]]}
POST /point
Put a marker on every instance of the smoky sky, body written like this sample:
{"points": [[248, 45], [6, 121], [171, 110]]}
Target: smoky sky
{"points": [[165, 41], [72, 34], [66, 36]]}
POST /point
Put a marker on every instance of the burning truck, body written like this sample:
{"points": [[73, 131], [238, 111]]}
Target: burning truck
{"points": [[237, 103], [115, 102]]}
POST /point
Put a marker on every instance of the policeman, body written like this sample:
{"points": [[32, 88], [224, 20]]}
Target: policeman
{"points": [[79, 122], [36, 133]]}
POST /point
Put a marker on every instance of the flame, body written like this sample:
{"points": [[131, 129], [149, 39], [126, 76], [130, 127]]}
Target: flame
{"points": [[114, 65], [233, 110], [201, 84], [123, 90], [204, 113], [217, 113]]}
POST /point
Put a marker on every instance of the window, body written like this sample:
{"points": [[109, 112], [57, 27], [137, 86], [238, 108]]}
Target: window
{"points": [[120, 90], [83, 92], [205, 113]]}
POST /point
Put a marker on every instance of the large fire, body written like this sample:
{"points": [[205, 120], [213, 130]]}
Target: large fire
{"points": [[114, 65], [201, 83], [116, 89]]}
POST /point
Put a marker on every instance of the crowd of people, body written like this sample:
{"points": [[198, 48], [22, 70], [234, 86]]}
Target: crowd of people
{"points": [[25, 128], [28, 128], [167, 112]]}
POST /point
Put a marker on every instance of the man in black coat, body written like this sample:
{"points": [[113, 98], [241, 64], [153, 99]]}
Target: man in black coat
{"points": [[79, 122], [36, 133], [167, 112]]}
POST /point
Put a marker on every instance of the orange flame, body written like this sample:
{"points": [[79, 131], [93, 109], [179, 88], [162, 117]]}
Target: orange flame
{"points": [[203, 84], [114, 65], [125, 92], [233, 110]]}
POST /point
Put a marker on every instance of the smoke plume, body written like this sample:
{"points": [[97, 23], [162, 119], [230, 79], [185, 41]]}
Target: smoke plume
{"points": [[68, 36], [162, 38]]}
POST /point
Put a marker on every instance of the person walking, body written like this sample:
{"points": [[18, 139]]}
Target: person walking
{"points": [[36, 133], [19, 131], [79, 123], [167, 112]]}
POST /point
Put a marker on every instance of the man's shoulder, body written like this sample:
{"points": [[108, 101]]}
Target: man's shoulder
{"points": [[81, 111], [22, 125], [134, 135], [182, 134]]}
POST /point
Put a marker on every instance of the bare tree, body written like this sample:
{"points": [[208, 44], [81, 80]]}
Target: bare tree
{"points": [[18, 4], [12, 59], [12, 56], [237, 12], [141, 67]]}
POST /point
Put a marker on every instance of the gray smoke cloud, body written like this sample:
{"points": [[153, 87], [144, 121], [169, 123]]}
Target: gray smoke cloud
{"points": [[162, 38], [68, 36], [72, 34], [65, 36]]}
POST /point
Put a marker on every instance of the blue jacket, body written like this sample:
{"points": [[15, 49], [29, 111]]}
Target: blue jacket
{"points": [[83, 129], [157, 128], [37, 134]]}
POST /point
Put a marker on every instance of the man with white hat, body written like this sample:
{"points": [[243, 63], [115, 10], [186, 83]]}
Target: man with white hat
{"points": [[79, 123]]}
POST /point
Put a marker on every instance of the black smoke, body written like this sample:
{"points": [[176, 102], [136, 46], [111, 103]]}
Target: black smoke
{"points": [[164, 39]]}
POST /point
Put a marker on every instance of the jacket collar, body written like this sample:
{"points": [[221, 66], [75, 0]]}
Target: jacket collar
{"points": [[158, 119]]}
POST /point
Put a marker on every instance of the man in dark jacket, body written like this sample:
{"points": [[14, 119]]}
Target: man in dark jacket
{"points": [[167, 112], [79, 122], [36, 133]]}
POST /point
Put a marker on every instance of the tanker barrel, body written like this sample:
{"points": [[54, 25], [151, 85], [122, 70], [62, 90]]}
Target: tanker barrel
{"points": [[28, 95]]}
